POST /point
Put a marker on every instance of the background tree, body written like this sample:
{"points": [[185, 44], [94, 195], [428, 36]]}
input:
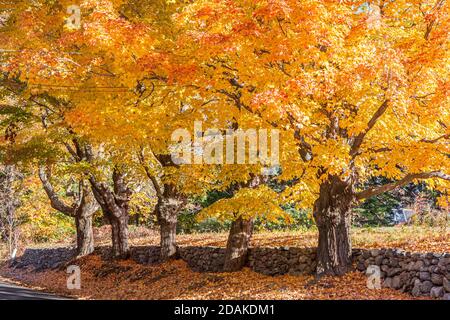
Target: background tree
{"points": [[249, 201], [10, 188]]}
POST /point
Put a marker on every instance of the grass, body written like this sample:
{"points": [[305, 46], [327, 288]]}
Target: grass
{"points": [[410, 238]]}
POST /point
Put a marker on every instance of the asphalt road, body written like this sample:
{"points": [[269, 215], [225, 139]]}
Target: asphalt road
{"points": [[12, 292]]}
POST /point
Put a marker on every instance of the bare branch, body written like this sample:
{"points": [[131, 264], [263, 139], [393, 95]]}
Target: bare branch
{"points": [[407, 179], [55, 202]]}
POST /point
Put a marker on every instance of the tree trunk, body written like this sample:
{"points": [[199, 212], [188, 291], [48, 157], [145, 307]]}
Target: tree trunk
{"points": [[167, 214], [85, 234], [237, 245], [332, 213], [83, 207], [119, 235], [115, 206], [169, 247]]}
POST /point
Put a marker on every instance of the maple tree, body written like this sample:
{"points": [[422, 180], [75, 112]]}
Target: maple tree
{"points": [[363, 92], [93, 117], [358, 90], [47, 68], [35, 139]]}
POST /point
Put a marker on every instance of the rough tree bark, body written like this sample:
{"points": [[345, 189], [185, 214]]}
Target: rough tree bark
{"points": [[332, 213], [237, 245], [240, 232], [83, 221], [167, 216], [169, 205], [119, 233], [82, 210], [115, 206]]}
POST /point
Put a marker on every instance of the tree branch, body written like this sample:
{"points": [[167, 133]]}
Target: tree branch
{"points": [[445, 136], [149, 174], [407, 179], [104, 196], [87, 199], [359, 139], [55, 202], [304, 148]]}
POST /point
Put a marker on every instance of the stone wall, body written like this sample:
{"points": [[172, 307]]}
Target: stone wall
{"points": [[203, 259], [269, 261], [284, 260], [44, 259], [425, 274]]}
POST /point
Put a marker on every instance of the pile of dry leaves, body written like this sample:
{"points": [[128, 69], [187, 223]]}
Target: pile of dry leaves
{"points": [[174, 280]]}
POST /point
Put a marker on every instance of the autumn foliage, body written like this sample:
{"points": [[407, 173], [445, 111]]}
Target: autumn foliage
{"points": [[357, 90]]}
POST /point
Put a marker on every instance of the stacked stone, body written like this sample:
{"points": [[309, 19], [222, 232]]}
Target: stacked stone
{"points": [[421, 274], [44, 259], [203, 259], [145, 254], [283, 260]]}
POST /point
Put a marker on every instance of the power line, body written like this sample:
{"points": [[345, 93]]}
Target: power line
{"points": [[22, 50], [77, 87], [84, 89], [89, 90]]}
